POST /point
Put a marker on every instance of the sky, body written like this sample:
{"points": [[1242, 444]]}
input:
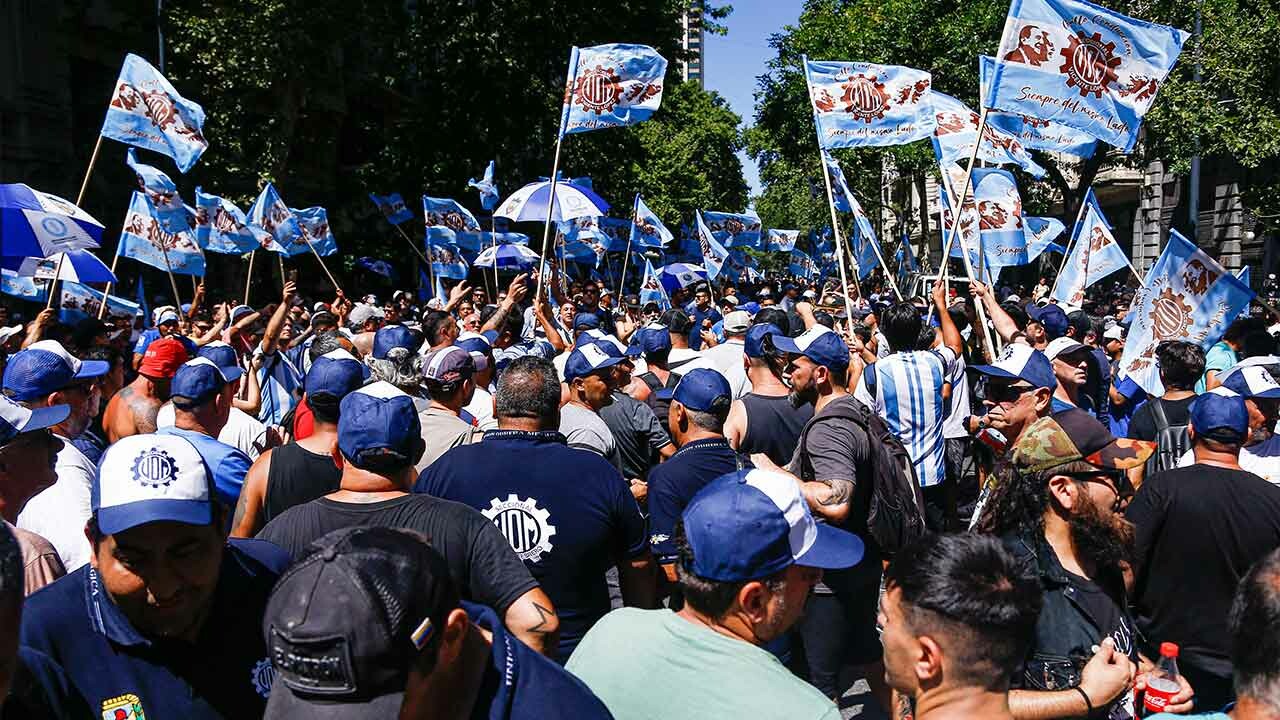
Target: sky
{"points": [[732, 62]]}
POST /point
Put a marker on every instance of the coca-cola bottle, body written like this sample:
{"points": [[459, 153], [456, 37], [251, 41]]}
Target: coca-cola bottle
{"points": [[1162, 684]]}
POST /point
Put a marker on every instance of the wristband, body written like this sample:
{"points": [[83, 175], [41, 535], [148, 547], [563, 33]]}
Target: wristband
{"points": [[1087, 703]]}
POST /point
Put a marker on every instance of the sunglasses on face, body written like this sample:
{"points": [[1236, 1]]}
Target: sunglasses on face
{"points": [[1000, 393], [1117, 481]]}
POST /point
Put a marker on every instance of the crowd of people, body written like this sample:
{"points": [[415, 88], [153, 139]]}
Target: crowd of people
{"points": [[558, 502]]}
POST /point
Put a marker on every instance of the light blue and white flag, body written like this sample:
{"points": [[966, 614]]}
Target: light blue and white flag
{"points": [[1035, 133], [1243, 275], [617, 233], [81, 301], [1041, 233], [857, 104], [1187, 296], [957, 132], [447, 261], [863, 241], [611, 86], [448, 216], [222, 228], [315, 227], [1082, 65], [1095, 254], [841, 195], [735, 229], [1001, 231], [906, 261], [140, 299], [487, 187], [647, 230], [269, 213], [801, 265], [392, 208], [147, 112], [166, 204], [143, 239], [781, 240], [22, 286], [714, 255]]}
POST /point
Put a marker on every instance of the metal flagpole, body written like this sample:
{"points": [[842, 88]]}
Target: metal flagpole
{"points": [[551, 205]]}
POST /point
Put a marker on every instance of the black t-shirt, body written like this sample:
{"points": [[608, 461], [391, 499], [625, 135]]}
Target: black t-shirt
{"points": [[1198, 530], [1143, 424], [1111, 620], [480, 560]]}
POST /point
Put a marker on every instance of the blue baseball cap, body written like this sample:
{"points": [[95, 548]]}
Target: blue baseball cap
{"points": [[589, 358], [750, 524], [753, 346], [701, 389], [225, 357], [818, 343], [151, 478], [474, 343], [1020, 361], [1253, 381], [335, 373], [16, 419], [171, 316], [390, 337], [586, 321], [375, 419], [1052, 317], [46, 367], [197, 382], [650, 339], [751, 307], [1220, 416]]}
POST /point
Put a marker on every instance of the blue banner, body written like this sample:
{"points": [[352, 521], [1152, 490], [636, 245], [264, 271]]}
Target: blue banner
{"points": [[651, 289], [392, 208], [143, 239], [801, 265], [1041, 233], [1082, 65], [1001, 232], [487, 187], [222, 228], [714, 255], [1035, 133], [781, 240], [647, 230], [611, 86], [81, 301], [270, 213], [735, 229], [858, 104], [315, 227], [445, 218], [447, 261], [166, 204], [147, 112]]}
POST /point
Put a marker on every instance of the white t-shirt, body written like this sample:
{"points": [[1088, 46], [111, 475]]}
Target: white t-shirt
{"points": [[1262, 459], [683, 355], [953, 425], [240, 431], [481, 408], [59, 513], [726, 359]]}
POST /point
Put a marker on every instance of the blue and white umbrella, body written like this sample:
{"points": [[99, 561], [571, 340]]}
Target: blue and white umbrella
{"points": [[79, 266], [529, 203], [37, 224], [679, 275], [507, 257]]}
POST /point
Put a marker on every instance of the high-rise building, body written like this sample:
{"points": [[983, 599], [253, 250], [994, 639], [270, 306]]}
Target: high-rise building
{"points": [[691, 40]]}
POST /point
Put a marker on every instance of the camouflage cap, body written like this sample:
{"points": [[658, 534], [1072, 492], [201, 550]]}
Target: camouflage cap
{"points": [[1074, 435]]}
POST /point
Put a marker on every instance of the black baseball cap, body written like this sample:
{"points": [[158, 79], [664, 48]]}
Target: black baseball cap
{"points": [[346, 623]]}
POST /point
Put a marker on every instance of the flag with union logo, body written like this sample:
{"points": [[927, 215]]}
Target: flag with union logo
{"points": [[270, 213], [1187, 296], [163, 194], [448, 214], [392, 208], [735, 230], [647, 229], [1095, 254], [856, 103], [781, 240], [714, 256], [80, 301], [1082, 65], [222, 228], [1033, 132], [1001, 231], [316, 232], [611, 86], [651, 289], [487, 186], [147, 112], [144, 239], [957, 132]]}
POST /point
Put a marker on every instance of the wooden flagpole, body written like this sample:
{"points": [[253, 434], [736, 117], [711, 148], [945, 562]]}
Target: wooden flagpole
{"points": [[177, 301], [248, 276], [968, 182], [307, 236], [978, 307], [93, 160], [53, 284], [1071, 243], [551, 204], [102, 309]]}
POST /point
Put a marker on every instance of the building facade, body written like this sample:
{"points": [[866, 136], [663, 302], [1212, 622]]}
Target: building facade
{"points": [[691, 41]]}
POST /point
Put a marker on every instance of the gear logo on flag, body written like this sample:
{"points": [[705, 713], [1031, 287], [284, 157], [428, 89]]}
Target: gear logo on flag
{"points": [[1170, 316], [1089, 64], [159, 109], [598, 90], [865, 98]]}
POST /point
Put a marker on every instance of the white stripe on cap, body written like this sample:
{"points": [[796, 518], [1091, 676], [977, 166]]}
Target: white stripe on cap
{"points": [[206, 361], [808, 337], [151, 467], [594, 355], [14, 414], [55, 347], [784, 493], [381, 389], [339, 354]]}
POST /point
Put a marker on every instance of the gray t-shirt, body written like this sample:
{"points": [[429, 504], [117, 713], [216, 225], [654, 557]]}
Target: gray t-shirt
{"points": [[636, 432], [442, 431], [586, 430]]}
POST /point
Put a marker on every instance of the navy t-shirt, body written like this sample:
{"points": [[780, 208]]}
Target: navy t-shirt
{"points": [[673, 484], [521, 684], [567, 513], [695, 335], [224, 674]]}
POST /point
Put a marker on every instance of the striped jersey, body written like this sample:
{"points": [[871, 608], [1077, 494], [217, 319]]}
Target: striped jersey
{"points": [[908, 396]]}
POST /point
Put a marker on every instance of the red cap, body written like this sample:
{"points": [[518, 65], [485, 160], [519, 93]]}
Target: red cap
{"points": [[163, 358], [1168, 649]]}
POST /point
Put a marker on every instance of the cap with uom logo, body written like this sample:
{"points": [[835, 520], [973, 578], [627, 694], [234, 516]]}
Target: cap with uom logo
{"points": [[149, 478]]}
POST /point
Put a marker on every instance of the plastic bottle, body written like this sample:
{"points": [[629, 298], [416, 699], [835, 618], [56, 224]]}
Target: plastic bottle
{"points": [[1162, 684]]}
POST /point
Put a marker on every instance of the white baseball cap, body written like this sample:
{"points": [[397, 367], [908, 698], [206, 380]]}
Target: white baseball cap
{"points": [[149, 478]]}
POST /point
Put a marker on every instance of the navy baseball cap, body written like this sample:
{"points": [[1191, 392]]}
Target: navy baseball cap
{"points": [[650, 339], [46, 367], [753, 346], [376, 419], [585, 321], [224, 356], [701, 389], [390, 337], [586, 359], [196, 383], [149, 478], [16, 419], [750, 524], [1020, 361], [1253, 381], [335, 373], [818, 343], [1220, 416], [1052, 317]]}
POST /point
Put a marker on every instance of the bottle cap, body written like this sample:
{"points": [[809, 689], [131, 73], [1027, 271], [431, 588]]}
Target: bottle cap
{"points": [[1168, 649]]}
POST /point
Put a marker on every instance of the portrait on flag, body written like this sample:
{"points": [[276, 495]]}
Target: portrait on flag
{"points": [[161, 191], [271, 214], [1001, 231], [222, 228], [611, 86], [144, 239], [647, 229], [147, 112], [1033, 132], [781, 240], [858, 103], [651, 289], [957, 133]]}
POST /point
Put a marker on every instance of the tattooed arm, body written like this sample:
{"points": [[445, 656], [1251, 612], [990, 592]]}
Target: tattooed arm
{"points": [[532, 618]]}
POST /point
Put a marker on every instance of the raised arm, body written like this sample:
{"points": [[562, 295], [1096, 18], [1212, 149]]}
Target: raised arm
{"points": [[515, 293], [950, 334], [1004, 324], [271, 337]]}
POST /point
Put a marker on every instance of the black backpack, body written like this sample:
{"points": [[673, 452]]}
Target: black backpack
{"points": [[895, 517], [1172, 441]]}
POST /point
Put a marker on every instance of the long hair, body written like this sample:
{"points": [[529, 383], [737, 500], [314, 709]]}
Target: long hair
{"points": [[1018, 502]]}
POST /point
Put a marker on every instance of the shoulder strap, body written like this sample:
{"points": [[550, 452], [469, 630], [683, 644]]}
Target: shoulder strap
{"points": [[651, 380], [1157, 410], [842, 412]]}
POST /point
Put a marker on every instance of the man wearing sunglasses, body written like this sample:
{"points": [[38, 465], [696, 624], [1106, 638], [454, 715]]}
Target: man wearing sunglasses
{"points": [[1058, 512], [1015, 390]]}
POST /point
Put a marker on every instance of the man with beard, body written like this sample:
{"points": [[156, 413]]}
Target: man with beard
{"points": [[1260, 453], [1201, 527], [1058, 513]]}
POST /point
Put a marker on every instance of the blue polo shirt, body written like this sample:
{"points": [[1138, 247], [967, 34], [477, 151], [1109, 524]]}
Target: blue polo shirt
{"points": [[673, 484], [224, 674], [520, 683], [151, 335], [227, 464], [695, 335], [567, 513]]}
